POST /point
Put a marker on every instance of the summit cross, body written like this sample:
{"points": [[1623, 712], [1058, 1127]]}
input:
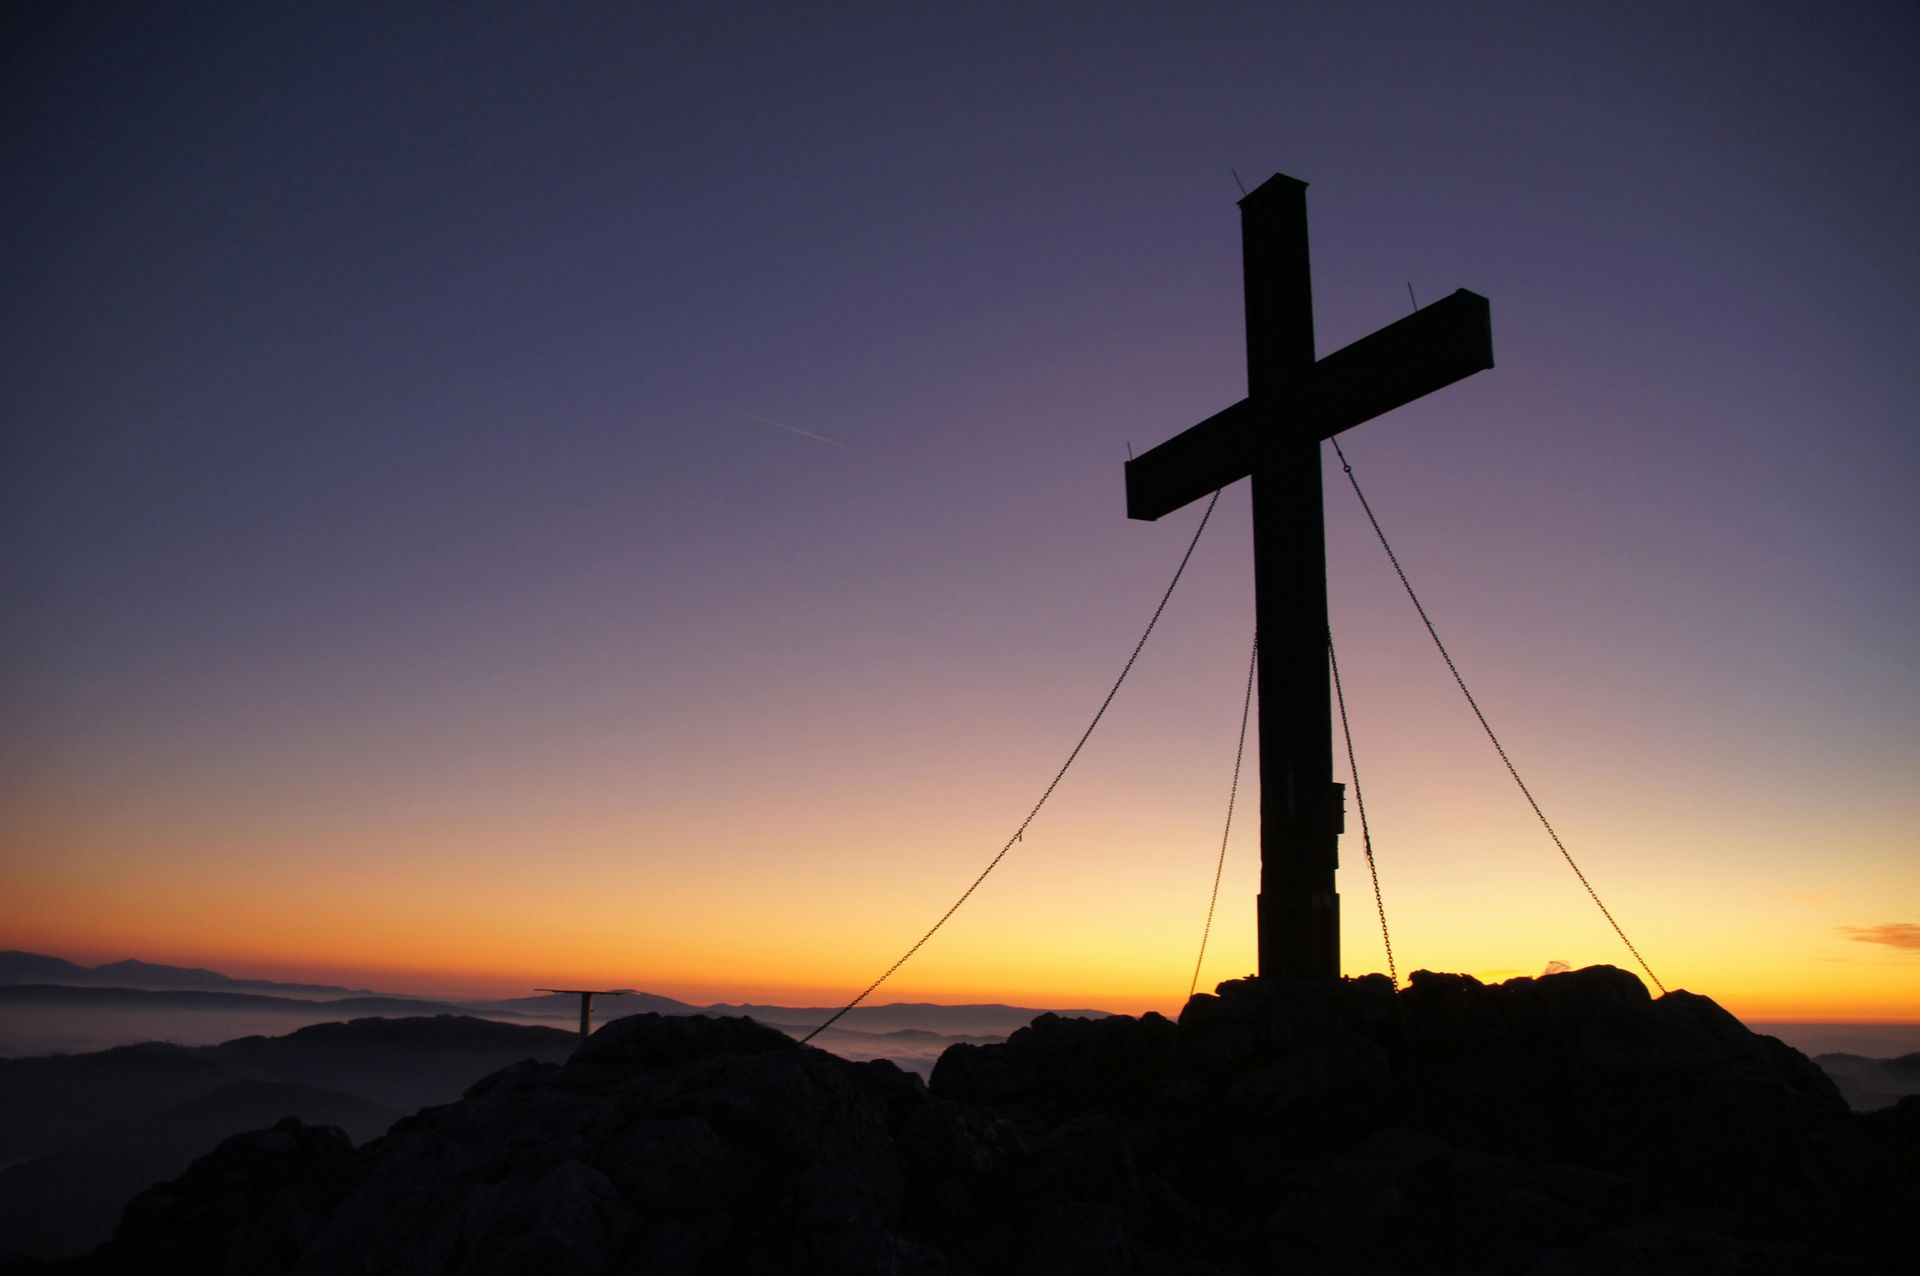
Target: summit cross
{"points": [[1273, 436]]}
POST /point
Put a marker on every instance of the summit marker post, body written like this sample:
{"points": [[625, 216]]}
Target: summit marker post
{"points": [[586, 996], [1273, 435]]}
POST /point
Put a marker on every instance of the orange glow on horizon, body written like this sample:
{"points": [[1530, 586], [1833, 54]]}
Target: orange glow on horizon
{"points": [[1885, 1002], [1100, 908]]}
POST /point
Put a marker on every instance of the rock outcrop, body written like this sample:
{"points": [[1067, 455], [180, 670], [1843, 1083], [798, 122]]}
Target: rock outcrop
{"points": [[1565, 1124], [68, 1200], [80, 1134]]}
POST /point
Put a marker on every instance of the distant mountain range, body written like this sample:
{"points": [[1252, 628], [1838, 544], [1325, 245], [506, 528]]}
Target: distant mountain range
{"points": [[197, 999], [34, 978], [1868, 1084], [556, 1005], [37, 968], [991, 1020]]}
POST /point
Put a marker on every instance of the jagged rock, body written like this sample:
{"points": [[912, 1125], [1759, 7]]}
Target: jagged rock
{"points": [[81, 1134], [665, 1144], [1057, 1066], [67, 1201], [252, 1205], [1569, 1124], [657, 1040], [1897, 1128]]}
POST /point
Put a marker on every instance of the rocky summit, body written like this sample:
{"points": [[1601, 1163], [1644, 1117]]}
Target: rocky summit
{"points": [[1567, 1124]]}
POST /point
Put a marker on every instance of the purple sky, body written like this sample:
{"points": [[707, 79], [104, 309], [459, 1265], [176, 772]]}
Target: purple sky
{"points": [[392, 495]]}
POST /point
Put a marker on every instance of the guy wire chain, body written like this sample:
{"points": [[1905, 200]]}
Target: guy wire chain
{"points": [[1020, 832], [1239, 752], [1360, 803], [1484, 726]]}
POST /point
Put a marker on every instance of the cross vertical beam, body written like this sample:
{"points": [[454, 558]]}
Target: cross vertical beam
{"points": [[1273, 436], [1298, 911]]}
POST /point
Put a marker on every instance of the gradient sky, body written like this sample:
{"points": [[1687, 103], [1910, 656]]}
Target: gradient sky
{"points": [[506, 494]]}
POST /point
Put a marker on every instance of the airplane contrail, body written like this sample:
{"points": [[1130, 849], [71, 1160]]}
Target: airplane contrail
{"points": [[782, 425]]}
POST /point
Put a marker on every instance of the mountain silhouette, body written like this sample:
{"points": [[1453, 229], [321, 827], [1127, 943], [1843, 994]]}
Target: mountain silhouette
{"points": [[68, 1200], [31, 995], [1568, 1123], [37, 968], [990, 1019], [1872, 1083], [61, 1007], [80, 1134], [561, 1005], [46, 1101], [402, 1063]]}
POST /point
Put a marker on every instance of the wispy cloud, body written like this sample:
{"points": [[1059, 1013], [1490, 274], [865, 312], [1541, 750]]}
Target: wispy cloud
{"points": [[792, 429], [1892, 934]]}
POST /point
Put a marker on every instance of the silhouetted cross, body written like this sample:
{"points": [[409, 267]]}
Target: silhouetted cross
{"points": [[1273, 435], [586, 996]]}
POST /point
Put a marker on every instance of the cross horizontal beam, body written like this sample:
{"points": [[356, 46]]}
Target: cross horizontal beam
{"points": [[1446, 342]]}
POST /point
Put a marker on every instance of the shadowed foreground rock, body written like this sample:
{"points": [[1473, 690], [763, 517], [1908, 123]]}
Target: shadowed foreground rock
{"points": [[1564, 1125]]}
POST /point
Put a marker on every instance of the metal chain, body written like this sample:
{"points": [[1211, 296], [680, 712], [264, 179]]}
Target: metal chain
{"points": [[1484, 726], [1020, 833], [1239, 752], [1360, 803]]}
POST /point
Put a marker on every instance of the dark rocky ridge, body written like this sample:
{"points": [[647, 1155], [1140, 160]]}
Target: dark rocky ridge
{"points": [[1564, 1124], [81, 1134], [68, 1200]]}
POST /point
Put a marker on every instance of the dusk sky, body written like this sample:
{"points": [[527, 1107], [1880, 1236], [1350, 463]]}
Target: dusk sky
{"points": [[630, 495]]}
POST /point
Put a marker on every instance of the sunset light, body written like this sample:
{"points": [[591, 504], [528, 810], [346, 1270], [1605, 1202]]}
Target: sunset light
{"points": [[638, 501]]}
